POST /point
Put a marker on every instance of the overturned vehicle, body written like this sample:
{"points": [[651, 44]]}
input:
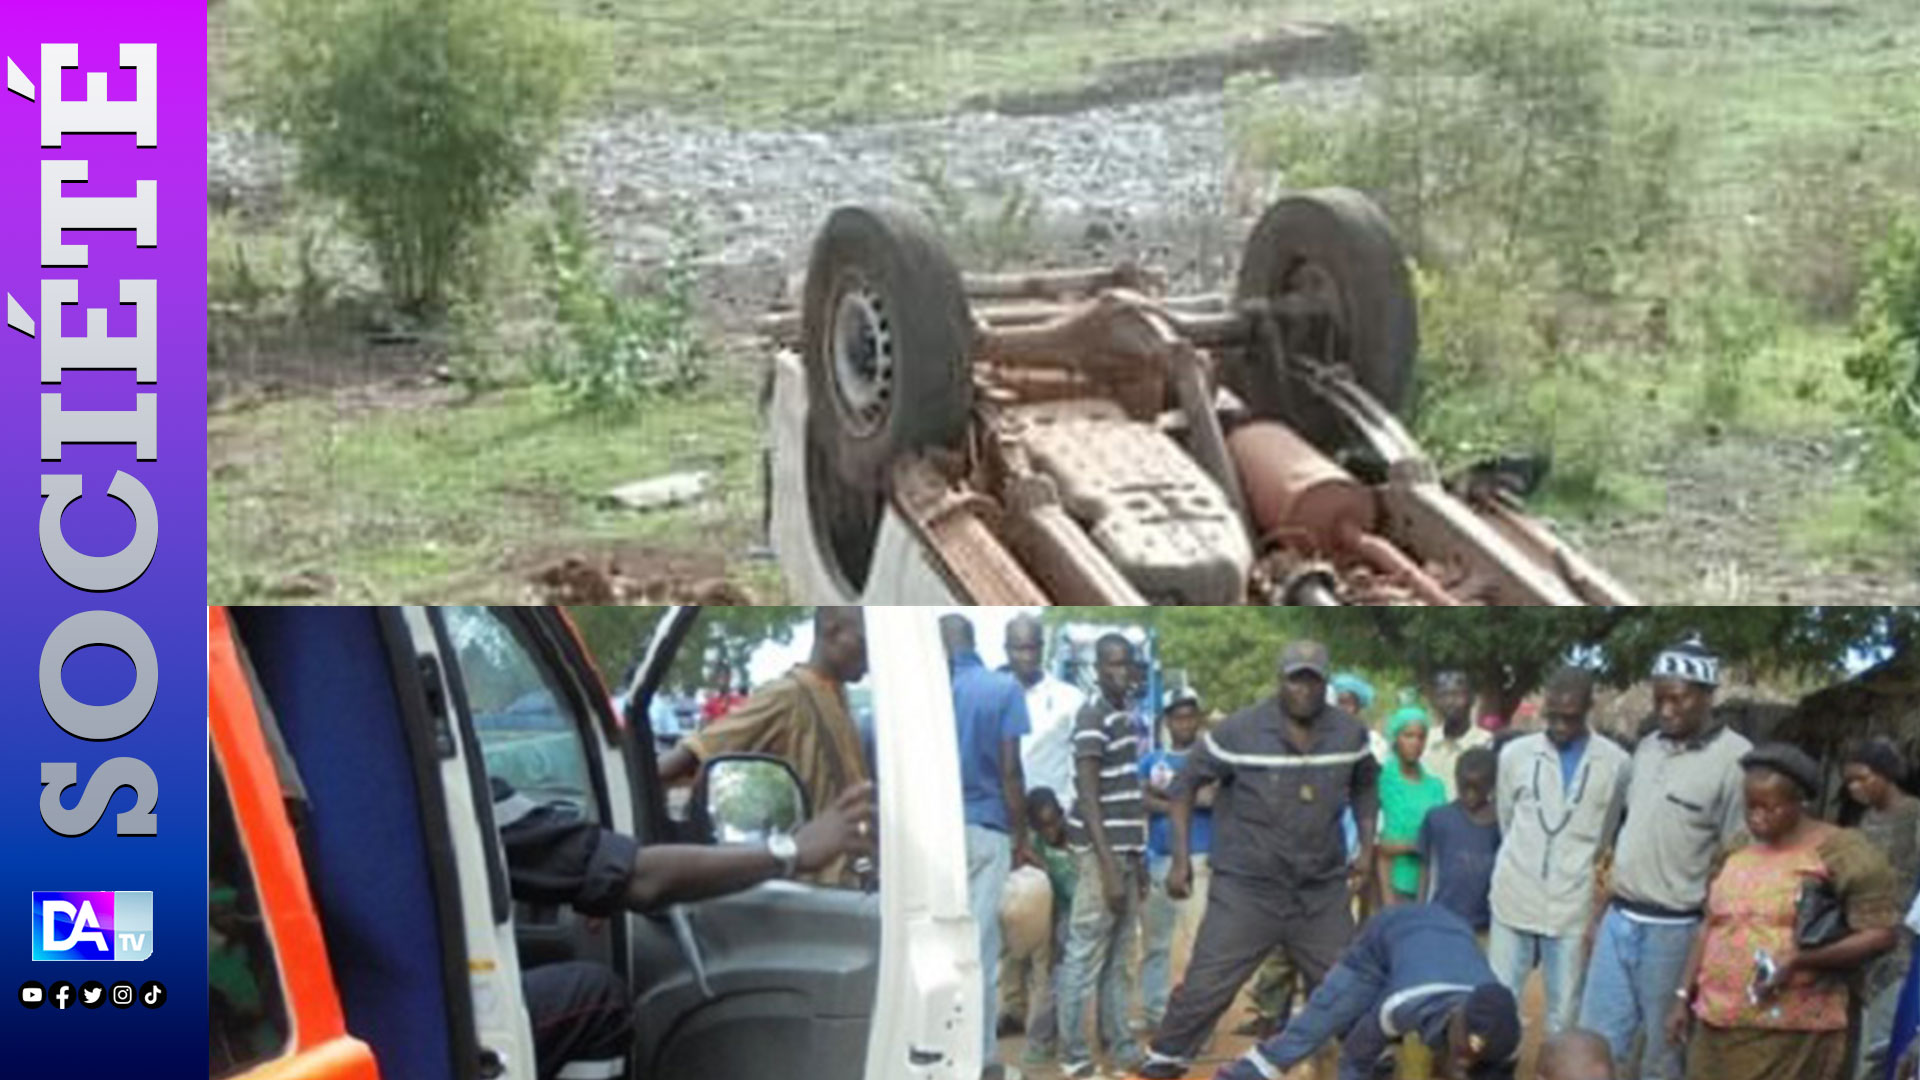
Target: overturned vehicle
{"points": [[1081, 437]]}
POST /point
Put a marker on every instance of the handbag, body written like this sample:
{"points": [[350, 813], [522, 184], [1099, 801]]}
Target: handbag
{"points": [[1820, 919]]}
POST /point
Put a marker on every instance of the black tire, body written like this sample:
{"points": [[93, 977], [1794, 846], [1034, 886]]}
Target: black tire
{"points": [[845, 520], [879, 281], [1337, 245]]}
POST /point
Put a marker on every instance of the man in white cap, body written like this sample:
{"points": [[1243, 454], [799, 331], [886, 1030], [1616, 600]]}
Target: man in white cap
{"points": [[1685, 802]]}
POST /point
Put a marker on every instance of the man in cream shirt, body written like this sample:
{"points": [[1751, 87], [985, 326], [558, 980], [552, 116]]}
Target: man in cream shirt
{"points": [[1451, 694]]}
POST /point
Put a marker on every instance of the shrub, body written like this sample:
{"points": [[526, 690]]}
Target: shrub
{"points": [[990, 227], [1733, 326], [1875, 510], [1495, 126], [608, 350], [424, 118], [1816, 225], [1886, 357]]}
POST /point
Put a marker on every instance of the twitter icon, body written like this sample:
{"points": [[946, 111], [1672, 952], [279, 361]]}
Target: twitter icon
{"points": [[92, 994]]}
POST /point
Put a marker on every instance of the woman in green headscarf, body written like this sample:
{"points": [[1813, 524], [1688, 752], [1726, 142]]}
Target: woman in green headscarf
{"points": [[1407, 792]]}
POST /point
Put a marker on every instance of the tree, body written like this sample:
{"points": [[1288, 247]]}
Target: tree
{"points": [[618, 638], [1230, 652], [1511, 651], [423, 118]]}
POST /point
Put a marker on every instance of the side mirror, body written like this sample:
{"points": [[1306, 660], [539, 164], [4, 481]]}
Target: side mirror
{"points": [[746, 798]]}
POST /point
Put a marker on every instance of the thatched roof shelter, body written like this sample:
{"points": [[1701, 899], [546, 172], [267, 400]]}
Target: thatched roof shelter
{"points": [[1883, 701], [1754, 709]]}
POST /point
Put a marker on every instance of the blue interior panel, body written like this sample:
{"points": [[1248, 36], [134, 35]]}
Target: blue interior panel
{"points": [[326, 673]]}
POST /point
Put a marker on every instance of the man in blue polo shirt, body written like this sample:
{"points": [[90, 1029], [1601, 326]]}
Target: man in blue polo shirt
{"points": [[1169, 925], [990, 715]]}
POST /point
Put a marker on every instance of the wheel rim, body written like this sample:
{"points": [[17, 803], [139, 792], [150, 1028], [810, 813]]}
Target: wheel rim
{"points": [[1314, 314], [862, 359]]}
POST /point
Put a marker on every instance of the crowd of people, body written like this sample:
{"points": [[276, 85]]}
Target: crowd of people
{"points": [[1391, 883], [1388, 876]]}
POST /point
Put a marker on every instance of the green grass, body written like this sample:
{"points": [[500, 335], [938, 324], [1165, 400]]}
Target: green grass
{"points": [[1753, 73], [838, 60], [460, 502], [1763, 90], [824, 61], [453, 502]]}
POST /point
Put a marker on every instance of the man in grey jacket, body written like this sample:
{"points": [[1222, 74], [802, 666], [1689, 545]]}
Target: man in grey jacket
{"points": [[1560, 794]]}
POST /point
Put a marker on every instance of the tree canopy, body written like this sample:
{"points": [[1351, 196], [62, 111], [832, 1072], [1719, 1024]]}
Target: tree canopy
{"points": [[1229, 652], [618, 637]]}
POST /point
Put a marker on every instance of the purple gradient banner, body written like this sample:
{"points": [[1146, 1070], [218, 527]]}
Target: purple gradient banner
{"points": [[158, 1025]]}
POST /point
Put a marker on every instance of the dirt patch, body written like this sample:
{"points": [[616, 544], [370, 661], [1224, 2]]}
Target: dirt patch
{"points": [[628, 574], [401, 394], [1300, 50], [280, 357], [1722, 537]]}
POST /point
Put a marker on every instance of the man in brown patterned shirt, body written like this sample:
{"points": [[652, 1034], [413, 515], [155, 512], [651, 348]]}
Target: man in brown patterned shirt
{"points": [[801, 717]]}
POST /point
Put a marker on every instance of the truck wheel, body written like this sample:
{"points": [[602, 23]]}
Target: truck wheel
{"points": [[845, 521], [886, 339], [1328, 263]]}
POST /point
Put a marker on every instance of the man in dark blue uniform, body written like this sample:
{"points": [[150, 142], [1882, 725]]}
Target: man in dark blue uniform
{"points": [[1287, 770], [1415, 970], [582, 1012]]}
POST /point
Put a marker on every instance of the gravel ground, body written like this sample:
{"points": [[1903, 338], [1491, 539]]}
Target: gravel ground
{"points": [[1148, 180]]}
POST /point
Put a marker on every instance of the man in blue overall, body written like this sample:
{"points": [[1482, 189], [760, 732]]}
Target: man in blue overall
{"points": [[1415, 969]]}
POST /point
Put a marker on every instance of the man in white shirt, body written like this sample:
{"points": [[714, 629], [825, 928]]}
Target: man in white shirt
{"points": [[1046, 754], [1046, 759], [1451, 694]]}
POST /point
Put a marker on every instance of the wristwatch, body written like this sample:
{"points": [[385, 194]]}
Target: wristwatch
{"points": [[782, 847]]}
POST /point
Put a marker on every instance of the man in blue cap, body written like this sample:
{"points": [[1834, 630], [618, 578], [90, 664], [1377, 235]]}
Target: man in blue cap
{"points": [[1286, 770], [1415, 970]]}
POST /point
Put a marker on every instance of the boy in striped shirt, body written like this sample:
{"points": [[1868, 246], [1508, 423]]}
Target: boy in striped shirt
{"points": [[1107, 830]]}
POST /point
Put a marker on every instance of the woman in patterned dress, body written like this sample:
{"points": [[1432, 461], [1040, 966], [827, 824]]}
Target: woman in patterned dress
{"points": [[1791, 1025]]}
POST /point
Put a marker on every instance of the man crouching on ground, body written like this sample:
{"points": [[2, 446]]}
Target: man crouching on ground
{"points": [[1416, 970]]}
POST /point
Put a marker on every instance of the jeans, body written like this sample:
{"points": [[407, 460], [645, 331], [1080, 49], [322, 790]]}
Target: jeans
{"points": [[1169, 927], [1515, 953], [1876, 1027], [1098, 942], [989, 861], [1636, 968]]}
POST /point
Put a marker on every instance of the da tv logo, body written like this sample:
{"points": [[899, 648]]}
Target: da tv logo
{"points": [[92, 925]]}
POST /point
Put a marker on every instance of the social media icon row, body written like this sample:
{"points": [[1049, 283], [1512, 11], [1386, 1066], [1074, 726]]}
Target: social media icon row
{"points": [[92, 995]]}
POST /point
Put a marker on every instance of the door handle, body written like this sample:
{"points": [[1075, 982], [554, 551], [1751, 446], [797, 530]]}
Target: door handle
{"points": [[690, 948]]}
